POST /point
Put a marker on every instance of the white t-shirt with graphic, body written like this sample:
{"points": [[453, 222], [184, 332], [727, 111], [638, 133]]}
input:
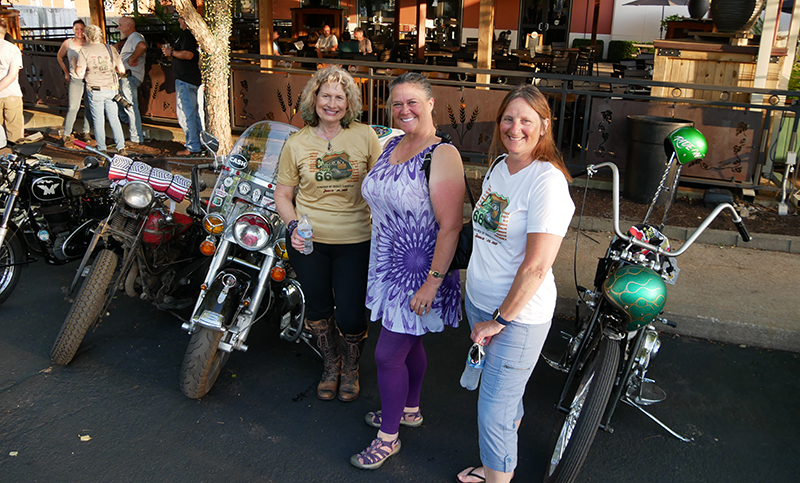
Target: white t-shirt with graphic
{"points": [[534, 200]]}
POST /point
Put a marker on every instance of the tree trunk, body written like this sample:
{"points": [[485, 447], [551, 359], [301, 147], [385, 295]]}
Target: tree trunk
{"points": [[213, 36]]}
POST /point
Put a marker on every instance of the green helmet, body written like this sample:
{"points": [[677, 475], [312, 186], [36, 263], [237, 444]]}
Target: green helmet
{"points": [[638, 292], [688, 143]]}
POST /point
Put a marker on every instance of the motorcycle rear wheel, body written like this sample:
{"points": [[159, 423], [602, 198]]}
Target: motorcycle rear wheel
{"points": [[11, 257], [85, 309], [580, 425], [202, 363]]}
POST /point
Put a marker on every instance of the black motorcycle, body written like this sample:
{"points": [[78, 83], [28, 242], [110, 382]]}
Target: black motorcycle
{"points": [[144, 248], [45, 211]]}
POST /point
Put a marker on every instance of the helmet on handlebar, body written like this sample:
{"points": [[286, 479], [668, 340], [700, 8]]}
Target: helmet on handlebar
{"points": [[687, 143]]}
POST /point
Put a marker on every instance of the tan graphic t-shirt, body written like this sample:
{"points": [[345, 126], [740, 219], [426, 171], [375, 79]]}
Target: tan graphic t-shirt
{"points": [[329, 180]]}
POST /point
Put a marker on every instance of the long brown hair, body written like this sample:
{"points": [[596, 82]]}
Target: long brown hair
{"points": [[545, 149]]}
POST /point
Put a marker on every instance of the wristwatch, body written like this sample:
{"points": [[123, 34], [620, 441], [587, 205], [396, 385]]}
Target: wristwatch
{"points": [[496, 316], [436, 274]]}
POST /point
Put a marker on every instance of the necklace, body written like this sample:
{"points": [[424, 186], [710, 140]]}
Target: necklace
{"points": [[321, 133], [413, 149]]}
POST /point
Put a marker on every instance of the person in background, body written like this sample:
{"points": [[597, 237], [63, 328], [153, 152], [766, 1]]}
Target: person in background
{"points": [[186, 63], [416, 224], [528, 187], [326, 162], [364, 44], [96, 64], [276, 49], [67, 55], [133, 57], [11, 113], [327, 44]]}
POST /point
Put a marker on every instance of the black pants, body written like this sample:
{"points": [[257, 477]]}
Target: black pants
{"points": [[334, 281]]}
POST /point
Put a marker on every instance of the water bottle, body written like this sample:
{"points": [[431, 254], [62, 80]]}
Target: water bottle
{"points": [[305, 230], [472, 371]]}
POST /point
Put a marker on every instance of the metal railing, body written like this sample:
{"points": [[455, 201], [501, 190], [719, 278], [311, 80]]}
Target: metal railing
{"points": [[746, 139]]}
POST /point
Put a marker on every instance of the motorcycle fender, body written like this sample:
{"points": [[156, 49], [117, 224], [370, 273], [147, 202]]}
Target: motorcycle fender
{"points": [[222, 299]]}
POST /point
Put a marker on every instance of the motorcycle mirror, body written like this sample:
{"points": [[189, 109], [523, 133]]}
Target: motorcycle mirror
{"points": [[210, 142], [90, 162]]}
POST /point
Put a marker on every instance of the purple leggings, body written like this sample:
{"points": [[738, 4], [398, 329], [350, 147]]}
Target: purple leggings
{"points": [[401, 362]]}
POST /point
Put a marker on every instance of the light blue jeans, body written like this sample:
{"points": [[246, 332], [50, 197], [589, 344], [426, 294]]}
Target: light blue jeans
{"points": [[129, 87], [101, 103], [511, 356], [188, 115], [75, 95]]}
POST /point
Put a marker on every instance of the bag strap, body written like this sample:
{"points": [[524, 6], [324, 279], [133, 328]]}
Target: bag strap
{"points": [[113, 66], [426, 164]]}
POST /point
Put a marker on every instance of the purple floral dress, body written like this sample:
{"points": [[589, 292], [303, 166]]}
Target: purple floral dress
{"points": [[404, 232]]}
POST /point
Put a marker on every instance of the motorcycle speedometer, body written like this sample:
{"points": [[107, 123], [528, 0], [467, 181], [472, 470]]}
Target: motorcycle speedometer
{"points": [[137, 194], [252, 231]]}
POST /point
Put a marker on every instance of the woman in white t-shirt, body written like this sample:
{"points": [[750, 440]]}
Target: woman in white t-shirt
{"points": [[519, 221]]}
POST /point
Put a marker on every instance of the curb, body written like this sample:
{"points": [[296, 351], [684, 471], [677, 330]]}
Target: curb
{"points": [[760, 241], [711, 328]]}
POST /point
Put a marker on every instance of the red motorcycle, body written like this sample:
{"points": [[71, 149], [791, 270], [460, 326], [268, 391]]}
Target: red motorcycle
{"points": [[144, 247]]}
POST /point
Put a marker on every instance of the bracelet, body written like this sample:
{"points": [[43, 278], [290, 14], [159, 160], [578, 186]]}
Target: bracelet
{"points": [[436, 274], [290, 227]]}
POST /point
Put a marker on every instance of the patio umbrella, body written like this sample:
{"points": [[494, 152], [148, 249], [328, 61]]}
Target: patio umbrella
{"points": [[659, 3]]}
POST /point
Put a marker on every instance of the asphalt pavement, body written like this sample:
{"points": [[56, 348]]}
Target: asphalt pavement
{"points": [[262, 421]]}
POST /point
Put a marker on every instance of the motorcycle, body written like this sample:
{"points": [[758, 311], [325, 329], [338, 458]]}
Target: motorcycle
{"points": [[250, 276], [607, 359], [45, 211], [143, 247]]}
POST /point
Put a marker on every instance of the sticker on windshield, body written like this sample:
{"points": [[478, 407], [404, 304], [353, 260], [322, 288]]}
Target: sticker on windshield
{"points": [[237, 161]]}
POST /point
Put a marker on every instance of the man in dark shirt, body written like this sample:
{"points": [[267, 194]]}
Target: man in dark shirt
{"points": [[186, 63]]}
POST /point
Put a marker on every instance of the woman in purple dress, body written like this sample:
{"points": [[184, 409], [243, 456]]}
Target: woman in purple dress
{"points": [[415, 227]]}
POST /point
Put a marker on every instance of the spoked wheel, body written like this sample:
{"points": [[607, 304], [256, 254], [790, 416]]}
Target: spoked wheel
{"points": [[581, 424], [11, 258], [201, 363], [86, 308]]}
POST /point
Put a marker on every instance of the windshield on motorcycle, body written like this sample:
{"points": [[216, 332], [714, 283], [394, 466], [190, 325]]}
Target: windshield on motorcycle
{"points": [[260, 145], [251, 170]]}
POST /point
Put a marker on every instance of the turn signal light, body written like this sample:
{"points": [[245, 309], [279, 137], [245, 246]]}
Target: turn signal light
{"points": [[280, 250], [207, 247], [278, 274], [214, 223]]}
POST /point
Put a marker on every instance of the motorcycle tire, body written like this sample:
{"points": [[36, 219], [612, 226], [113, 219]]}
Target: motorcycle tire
{"points": [[85, 309], [11, 258], [580, 426], [202, 363]]}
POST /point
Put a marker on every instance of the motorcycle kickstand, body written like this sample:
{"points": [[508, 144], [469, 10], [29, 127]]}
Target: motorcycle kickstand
{"points": [[629, 402]]}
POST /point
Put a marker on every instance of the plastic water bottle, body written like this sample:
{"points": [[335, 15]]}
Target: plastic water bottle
{"points": [[472, 371], [305, 230]]}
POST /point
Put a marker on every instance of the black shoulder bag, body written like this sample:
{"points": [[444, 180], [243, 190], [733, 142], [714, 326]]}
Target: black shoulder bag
{"points": [[464, 246]]}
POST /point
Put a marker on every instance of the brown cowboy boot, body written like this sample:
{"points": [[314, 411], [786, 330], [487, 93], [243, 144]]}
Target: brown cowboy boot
{"points": [[324, 333], [350, 346]]}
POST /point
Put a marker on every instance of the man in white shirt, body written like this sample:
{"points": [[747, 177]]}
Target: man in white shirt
{"points": [[328, 44], [11, 114], [133, 56]]}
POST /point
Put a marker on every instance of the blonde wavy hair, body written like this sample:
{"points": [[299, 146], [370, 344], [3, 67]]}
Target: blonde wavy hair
{"points": [[93, 34], [330, 75]]}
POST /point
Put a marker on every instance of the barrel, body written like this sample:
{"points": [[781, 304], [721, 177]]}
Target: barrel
{"points": [[646, 160]]}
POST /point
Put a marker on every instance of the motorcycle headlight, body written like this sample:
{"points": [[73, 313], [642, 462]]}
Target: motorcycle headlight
{"points": [[214, 223], [137, 194], [252, 231]]}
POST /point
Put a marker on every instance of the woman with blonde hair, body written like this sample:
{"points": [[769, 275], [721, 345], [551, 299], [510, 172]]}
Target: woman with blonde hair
{"points": [[321, 170], [97, 64]]}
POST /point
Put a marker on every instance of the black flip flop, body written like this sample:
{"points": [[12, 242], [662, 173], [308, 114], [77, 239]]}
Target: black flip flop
{"points": [[471, 473]]}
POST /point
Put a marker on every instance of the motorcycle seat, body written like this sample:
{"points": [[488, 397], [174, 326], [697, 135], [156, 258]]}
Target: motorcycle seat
{"points": [[100, 172]]}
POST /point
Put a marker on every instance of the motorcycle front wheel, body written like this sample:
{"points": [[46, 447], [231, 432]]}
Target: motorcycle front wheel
{"points": [[11, 258], [588, 405], [85, 309], [201, 363]]}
